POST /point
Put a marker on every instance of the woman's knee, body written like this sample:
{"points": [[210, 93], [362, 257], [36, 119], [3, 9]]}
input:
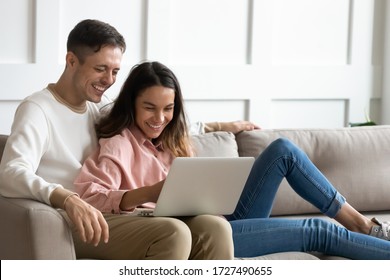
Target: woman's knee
{"points": [[283, 146], [282, 143]]}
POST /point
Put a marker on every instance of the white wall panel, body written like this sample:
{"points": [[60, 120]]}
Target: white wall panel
{"points": [[302, 33], [362, 32], [17, 32], [308, 113], [216, 110], [253, 59], [317, 50], [208, 32], [385, 108], [128, 19]]}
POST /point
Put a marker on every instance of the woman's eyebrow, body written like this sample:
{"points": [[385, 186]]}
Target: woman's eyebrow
{"points": [[148, 103]]}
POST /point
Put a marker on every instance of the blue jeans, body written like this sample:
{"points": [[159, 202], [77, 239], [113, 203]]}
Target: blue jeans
{"points": [[255, 233]]}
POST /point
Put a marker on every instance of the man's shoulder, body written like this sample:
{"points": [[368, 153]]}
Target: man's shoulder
{"points": [[39, 97], [37, 100]]}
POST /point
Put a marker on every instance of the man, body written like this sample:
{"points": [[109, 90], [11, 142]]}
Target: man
{"points": [[53, 132]]}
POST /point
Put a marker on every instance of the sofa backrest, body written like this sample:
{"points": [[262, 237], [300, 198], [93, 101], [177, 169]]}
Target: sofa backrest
{"points": [[355, 160], [3, 139]]}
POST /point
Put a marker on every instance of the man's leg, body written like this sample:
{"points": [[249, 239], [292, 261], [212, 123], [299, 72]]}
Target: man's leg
{"points": [[139, 238], [211, 238]]}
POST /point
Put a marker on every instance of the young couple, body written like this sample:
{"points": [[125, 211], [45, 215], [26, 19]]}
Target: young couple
{"points": [[54, 154]]}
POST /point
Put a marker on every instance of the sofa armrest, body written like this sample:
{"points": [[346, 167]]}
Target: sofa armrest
{"points": [[33, 230]]}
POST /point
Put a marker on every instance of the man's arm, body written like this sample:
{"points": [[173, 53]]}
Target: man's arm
{"points": [[22, 156], [90, 223], [234, 127]]}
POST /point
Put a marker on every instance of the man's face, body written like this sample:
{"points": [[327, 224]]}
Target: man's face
{"points": [[98, 72]]}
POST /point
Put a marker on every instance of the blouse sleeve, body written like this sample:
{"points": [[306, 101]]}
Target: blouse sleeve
{"points": [[100, 177]]}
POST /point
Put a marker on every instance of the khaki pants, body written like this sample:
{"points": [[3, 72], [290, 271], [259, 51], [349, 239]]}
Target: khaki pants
{"points": [[203, 237]]}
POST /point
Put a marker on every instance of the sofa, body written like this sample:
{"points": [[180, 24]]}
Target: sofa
{"points": [[355, 159]]}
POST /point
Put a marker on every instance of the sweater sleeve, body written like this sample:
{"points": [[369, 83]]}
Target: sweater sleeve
{"points": [[22, 154], [196, 128]]}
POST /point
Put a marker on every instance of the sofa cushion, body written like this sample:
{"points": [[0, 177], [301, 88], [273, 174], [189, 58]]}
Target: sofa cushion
{"points": [[285, 256], [215, 144], [355, 160]]}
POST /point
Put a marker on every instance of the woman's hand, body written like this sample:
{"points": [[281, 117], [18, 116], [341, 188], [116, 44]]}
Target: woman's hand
{"points": [[155, 190], [136, 197]]}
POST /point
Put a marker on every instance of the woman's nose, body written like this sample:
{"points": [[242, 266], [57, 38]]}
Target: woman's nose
{"points": [[159, 116]]}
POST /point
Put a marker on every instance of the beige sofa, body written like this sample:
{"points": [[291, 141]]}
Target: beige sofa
{"points": [[355, 160]]}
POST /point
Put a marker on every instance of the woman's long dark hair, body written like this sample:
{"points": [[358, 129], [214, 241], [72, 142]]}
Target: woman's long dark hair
{"points": [[122, 113]]}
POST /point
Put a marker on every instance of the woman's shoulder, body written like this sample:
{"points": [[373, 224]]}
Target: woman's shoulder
{"points": [[122, 138], [117, 143]]}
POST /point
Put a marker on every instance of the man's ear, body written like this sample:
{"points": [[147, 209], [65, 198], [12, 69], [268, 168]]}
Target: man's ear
{"points": [[71, 59]]}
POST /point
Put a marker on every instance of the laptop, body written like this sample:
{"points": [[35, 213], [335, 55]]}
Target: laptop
{"points": [[201, 185]]}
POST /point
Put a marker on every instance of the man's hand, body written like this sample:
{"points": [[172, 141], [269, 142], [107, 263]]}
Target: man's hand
{"points": [[238, 126], [89, 222], [234, 127]]}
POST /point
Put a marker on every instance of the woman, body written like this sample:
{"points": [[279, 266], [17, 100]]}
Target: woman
{"points": [[139, 137], [120, 178]]}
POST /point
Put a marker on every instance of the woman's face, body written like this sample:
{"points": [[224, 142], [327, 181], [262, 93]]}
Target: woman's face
{"points": [[154, 110]]}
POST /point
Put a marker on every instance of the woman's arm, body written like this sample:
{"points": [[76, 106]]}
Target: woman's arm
{"points": [[136, 197], [117, 178]]}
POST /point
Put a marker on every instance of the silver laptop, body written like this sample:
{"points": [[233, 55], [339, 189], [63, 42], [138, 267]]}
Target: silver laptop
{"points": [[201, 185]]}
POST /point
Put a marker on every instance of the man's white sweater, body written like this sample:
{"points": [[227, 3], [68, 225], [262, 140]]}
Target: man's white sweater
{"points": [[47, 146]]}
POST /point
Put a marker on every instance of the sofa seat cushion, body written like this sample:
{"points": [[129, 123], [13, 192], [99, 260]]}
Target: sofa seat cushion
{"points": [[285, 256], [355, 160]]}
